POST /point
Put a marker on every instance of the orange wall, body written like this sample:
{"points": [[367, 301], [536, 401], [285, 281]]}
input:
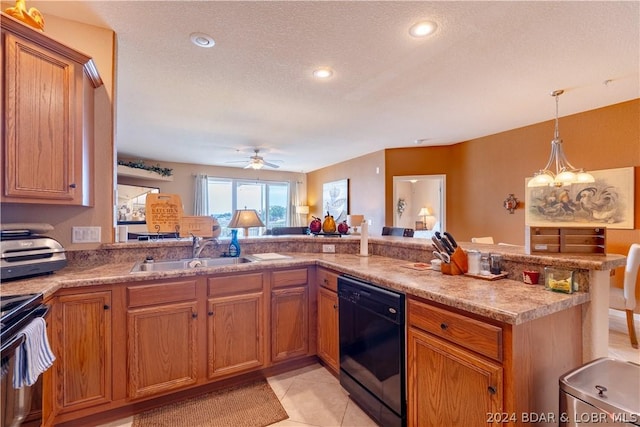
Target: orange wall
{"points": [[482, 172], [366, 187]]}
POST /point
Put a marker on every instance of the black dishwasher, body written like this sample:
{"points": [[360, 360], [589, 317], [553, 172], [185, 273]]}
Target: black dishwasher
{"points": [[372, 362]]}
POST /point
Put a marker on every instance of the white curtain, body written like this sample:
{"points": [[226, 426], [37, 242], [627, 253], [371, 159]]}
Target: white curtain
{"points": [[201, 197], [295, 219]]}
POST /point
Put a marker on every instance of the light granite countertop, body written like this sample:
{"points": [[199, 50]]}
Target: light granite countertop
{"points": [[504, 300]]}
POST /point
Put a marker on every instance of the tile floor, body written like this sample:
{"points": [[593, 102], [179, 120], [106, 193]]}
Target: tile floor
{"points": [[619, 344], [313, 397]]}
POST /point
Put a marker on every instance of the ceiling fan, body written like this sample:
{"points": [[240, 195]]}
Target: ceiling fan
{"points": [[257, 162]]}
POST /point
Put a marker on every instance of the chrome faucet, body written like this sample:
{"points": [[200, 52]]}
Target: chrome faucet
{"points": [[199, 244]]}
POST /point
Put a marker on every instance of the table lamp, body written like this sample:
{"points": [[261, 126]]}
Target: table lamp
{"points": [[354, 222], [245, 218], [427, 217]]}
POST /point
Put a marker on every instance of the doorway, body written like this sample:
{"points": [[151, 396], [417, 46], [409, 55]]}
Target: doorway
{"points": [[419, 203]]}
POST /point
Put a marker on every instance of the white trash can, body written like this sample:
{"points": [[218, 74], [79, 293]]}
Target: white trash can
{"points": [[604, 392]]}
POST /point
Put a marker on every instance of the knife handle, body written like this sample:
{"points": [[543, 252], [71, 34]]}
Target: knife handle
{"points": [[448, 246], [451, 239], [438, 245]]}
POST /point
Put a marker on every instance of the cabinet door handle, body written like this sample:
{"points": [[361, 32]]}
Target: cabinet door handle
{"points": [[194, 315], [492, 389], [335, 306], [210, 313], [106, 307], [326, 281], [444, 326], [72, 185]]}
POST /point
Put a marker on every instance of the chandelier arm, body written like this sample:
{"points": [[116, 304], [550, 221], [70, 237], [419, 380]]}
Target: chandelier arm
{"points": [[562, 159], [551, 158]]}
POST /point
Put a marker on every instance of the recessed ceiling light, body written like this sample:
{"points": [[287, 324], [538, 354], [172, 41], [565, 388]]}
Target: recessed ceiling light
{"points": [[421, 141], [202, 40], [323, 73], [423, 29]]}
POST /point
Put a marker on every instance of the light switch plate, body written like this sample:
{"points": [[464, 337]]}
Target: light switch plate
{"points": [[85, 234]]}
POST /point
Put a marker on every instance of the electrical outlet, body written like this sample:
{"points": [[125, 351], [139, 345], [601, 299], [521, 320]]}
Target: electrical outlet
{"points": [[329, 249], [85, 234]]}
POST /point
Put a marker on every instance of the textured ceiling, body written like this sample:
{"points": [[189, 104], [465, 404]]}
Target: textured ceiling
{"points": [[489, 67]]}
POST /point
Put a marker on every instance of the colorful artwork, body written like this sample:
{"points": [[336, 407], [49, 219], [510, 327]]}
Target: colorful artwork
{"points": [[607, 202], [335, 199]]}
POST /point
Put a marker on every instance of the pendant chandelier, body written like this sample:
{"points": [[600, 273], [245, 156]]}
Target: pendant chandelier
{"points": [[565, 172]]}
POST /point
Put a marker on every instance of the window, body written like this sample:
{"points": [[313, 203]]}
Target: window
{"points": [[269, 199]]}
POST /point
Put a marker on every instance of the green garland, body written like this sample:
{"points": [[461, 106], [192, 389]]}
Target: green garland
{"points": [[140, 165]]}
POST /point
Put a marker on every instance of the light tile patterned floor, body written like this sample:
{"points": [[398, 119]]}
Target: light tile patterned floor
{"points": [[313, 397]]}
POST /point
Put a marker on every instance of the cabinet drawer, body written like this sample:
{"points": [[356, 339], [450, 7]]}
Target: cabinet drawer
{"points": [[328, 279], [161, 293], [289, 277], [473, 334], [238, 283]]}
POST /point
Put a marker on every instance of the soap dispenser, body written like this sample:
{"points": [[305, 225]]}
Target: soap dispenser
{"points": [[234, 246]]}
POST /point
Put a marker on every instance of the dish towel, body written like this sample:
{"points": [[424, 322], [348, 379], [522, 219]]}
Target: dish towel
{"points": [[33, 356]]}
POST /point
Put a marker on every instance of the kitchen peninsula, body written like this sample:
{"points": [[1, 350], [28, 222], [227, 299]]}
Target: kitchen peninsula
{"points": [[534, 336]]}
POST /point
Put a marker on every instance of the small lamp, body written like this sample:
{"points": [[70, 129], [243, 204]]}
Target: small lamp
{"points": [[245, 218], [355, 221], [427, 213]]}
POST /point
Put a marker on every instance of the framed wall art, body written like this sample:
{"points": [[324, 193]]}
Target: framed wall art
{"points": [[335, 199], [607, 202]]}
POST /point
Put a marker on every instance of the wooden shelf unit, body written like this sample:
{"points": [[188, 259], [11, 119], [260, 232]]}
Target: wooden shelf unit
{"points": [[583, 240]]}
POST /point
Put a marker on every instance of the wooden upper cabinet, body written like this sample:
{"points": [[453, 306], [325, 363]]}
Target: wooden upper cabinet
{"points": [[48, 102]]}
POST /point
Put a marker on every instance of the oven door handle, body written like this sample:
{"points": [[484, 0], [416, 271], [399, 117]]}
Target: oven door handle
{"points": [[41, 311], [9, 349]]}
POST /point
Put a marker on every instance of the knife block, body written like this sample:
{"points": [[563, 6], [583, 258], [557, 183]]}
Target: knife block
{"points": [[459, 263]]}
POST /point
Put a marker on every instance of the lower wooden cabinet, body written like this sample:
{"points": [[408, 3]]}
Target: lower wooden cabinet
{"points": [[454, 368], [289, 314], [235, 324], [82, 344], [450, 386], [140, 340], [162, 347], [328, 328]]}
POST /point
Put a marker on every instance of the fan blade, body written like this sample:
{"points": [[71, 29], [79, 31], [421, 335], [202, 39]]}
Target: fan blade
{"points": [[271, 165]]}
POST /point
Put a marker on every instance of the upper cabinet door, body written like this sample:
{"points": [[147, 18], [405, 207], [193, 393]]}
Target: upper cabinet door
{"points": [[48, 120]]}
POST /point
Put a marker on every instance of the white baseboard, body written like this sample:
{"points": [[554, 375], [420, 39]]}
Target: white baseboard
{"points": [[622, 315]]}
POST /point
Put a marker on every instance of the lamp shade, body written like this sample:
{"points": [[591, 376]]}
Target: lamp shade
{"points": [[425, 212], [245, 218], [355, 220], [302, 210]]}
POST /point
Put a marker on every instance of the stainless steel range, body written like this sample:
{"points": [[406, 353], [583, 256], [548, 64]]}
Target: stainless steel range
{"points": [[16, 312]]}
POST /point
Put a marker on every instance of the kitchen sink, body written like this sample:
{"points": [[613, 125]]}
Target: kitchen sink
{"points": [[186, 264]]}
